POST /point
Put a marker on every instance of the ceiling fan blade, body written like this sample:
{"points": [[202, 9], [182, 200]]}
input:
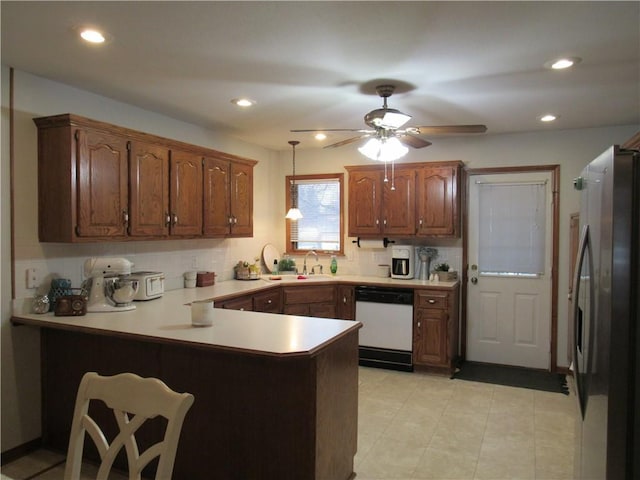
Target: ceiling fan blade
{"points": [[347, 141], [334, 130], [414, 142], [444, 129]]}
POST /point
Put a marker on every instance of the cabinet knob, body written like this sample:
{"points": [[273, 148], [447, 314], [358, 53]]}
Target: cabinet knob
{"points": [[344, 299], [167, 219], [384, 222], [175, 219], [235, 220], [269, 301], [421, 222], [377, 222], [431, 301], [419, 323], [230, 220], [125, 217]]}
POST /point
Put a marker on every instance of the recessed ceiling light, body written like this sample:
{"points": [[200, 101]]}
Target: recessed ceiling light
{"points": [[562, 63], [320, 136], [243, 102], [548, 118], [92, 35]]}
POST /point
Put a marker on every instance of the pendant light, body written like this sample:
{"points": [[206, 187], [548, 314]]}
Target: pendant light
{"points": [[294, 212]]}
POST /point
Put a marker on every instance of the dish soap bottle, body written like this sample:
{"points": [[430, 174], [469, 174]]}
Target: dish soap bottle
{"points": [[275, 267], [334, 264]]}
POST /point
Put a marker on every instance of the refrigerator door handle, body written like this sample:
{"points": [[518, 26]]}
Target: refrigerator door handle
{"points": [[583, 318]]}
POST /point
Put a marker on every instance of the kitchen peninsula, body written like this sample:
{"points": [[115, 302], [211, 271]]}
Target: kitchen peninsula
{"points": [[276, 396]]}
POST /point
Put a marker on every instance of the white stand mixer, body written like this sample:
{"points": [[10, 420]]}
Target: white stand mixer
{"points": [[106, 293]]}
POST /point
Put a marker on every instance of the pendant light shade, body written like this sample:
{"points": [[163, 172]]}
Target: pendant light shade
{"points": [[294, 212]]}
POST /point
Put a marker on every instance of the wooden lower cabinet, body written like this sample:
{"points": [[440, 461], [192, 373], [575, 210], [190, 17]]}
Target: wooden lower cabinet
{"points": [[435, 329], [254, 416], [268, 302], [237, 303], [316, 301], [346, 305]]}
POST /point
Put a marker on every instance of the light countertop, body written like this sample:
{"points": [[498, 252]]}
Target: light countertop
{"points": [[168, 319]]}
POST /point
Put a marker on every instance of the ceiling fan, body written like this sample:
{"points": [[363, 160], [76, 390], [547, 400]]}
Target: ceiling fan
{"points": [[386, 123]]}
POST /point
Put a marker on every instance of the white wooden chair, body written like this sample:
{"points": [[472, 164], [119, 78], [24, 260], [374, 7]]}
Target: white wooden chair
{"points": [[127, 394]]}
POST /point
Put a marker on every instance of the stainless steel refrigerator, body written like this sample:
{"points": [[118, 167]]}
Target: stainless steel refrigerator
{"points": [[606, 359]]}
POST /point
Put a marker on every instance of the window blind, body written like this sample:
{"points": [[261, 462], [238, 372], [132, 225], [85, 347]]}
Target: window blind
{"points": [[319, 202], [512, 228]]}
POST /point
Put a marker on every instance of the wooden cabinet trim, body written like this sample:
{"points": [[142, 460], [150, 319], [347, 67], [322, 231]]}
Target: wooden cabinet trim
{"points": [[70, 119]]}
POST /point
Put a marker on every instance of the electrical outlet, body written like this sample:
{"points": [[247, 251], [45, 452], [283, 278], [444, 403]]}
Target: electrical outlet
{"points": [[32, 278]]}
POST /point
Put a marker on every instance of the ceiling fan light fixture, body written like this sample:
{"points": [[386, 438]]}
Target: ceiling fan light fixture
{"points": [[388, 118], [384, 150]]}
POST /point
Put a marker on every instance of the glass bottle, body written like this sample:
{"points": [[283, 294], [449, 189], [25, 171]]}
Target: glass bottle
{"points": [[334, 264]]}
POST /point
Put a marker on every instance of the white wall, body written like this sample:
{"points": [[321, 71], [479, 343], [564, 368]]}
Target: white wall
{"points": [[35, 96]]}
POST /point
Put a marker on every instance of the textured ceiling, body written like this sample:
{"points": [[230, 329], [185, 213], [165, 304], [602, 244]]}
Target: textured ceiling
{"points": [[315, 64]]}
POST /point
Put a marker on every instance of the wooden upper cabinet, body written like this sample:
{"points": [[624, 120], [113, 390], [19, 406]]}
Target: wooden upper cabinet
{"points": [[217, 197], [241, 200], [228, 198], [102, 184], [438, 202], [186, 210], [424, 201], [149, 179], [365, 202], [399, 203]]}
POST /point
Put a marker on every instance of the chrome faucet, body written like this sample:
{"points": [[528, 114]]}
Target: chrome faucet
{"points": [[304, 266]]}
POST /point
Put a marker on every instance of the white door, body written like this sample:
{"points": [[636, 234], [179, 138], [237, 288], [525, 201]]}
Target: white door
{"points": [[510, 251]]}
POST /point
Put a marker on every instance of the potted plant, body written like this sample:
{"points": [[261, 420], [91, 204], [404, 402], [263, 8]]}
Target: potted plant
{"points": [[444, 273]]}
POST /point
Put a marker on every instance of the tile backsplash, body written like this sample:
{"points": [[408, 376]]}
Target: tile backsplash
{"points": [[175, 258]]}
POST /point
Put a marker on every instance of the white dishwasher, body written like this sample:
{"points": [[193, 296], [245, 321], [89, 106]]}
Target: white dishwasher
{"points": [[386, 336]]}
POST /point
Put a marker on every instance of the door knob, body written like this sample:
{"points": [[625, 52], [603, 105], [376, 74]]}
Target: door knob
{"points": [[474, 280]]}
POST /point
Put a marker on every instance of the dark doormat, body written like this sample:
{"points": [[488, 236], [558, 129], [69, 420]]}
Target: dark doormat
{"points": [[513, 377]]}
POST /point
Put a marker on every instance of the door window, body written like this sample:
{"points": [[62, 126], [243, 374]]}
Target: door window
{"points": [[512, 229]]}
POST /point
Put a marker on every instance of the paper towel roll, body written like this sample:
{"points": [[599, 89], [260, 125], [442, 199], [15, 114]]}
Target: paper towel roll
{"points": [[372, 243]]}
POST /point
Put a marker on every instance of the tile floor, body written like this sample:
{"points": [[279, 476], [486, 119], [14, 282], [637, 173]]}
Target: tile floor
{"points": [[413, 426]]}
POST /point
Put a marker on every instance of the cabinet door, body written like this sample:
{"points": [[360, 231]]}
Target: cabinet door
{"points": [[149, 180], [270, 302], [297, 309], [346, 306], [103, 194], [186, 194], [217, 197], [239, 303], [430, 337], [241, 200], [438, 201], [323, 310], [365, 202], [399, 204]]}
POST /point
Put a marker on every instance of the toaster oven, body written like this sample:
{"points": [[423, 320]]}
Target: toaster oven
{"points": [[150, 285]]}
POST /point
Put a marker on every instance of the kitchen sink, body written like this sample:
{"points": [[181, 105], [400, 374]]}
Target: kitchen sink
{"points": [[298, 278]]}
